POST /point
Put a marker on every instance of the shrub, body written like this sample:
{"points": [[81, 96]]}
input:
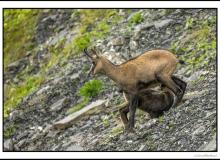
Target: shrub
{"points": [[91, 89], [136, 18]]}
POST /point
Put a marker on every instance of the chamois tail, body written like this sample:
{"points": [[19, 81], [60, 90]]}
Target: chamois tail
{"points": [[181, 61]]}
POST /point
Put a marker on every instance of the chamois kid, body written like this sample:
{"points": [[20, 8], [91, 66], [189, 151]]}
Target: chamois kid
{"points": [[152, 100]]}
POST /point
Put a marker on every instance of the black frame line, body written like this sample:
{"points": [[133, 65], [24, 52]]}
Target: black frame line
{"points": [[216, 151]]}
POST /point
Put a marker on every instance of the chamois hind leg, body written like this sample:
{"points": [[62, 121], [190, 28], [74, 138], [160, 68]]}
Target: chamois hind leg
{"points": [[167, 81], [182, 86], [123, 113], [124, 109]]}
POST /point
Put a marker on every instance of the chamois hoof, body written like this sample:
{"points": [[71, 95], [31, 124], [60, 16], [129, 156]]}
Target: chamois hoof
{"points": [[129, 130]]}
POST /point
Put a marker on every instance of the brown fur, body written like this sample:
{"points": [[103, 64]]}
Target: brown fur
{"points": [[154, 65], [151, 100], [145, 68]]}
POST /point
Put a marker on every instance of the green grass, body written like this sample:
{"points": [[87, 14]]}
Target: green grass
{"points": [[10, 131], [198, 46], [105, 121], [16, 93], [90, 90], [94, 24], [19, 31], [136, 19]]}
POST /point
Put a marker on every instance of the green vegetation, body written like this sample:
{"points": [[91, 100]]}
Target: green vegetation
{"points": [[115, 132], [161, 119], [90, 90], [94, 24], [136, 19], [10, 131], [198, 46], [105, 121], [16, 93], [19, 31]]}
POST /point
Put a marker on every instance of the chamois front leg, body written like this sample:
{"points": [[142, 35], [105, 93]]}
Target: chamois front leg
{"points": [[132, 109]]}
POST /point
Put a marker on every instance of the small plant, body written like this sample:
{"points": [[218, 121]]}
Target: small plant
{"points": [[189, 23], [17, 92], [161, 119], [105, 121], [91, 89], [10, 131], [136, 18]]}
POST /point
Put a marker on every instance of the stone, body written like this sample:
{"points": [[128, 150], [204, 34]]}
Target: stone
{"points": [[74, 76], [119, 41], [58, 105], [196, 75], [143, 147], [69, 120], [8, 145], [133, 45], [194, 94], [163, 23], [199, 131], [14, 114], [74, 148], [43, 90], [211, 146]]}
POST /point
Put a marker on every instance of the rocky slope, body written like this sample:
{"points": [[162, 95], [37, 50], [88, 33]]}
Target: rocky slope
{"points": [[191, 126]]}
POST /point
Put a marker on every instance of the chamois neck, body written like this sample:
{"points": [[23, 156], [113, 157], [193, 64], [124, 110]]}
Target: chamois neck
{"points": [[111, 70]]}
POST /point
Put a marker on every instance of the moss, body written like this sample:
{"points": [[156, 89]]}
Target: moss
{"points": [[198, 46], [105, 121], [94, 24], [19, 31], [16, 93], [136, 19], [10, 131]]}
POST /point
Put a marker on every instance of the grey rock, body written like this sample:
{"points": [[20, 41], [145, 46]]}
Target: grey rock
{"points": [[21, 143], [75, 76], [211, 146], [133, 45], [199, 131], [163, 23], [74, 148], [68, 121], [119, 41], [58, 105], [8, 145], [196, 75], [42, 90], [15, 114]]}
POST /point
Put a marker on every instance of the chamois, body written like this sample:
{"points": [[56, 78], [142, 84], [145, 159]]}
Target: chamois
{"points": [[154, 65], [155, 102]]}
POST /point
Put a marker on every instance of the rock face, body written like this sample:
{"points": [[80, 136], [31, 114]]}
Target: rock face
{"points": [[68, 121], [41, 119]]}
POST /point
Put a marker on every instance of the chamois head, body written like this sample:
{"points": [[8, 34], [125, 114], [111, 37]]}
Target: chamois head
{"points": [[96, 60]]}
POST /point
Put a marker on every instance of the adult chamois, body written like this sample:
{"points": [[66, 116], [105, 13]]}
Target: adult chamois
{"points": [[152, 100], [155, 65]]}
